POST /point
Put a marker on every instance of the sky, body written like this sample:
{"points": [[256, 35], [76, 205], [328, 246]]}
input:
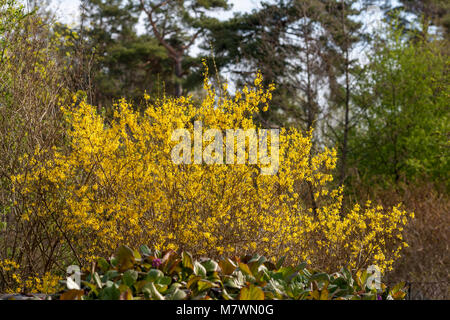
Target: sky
{"points": [[68, 10]]}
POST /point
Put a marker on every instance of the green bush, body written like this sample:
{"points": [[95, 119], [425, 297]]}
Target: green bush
{"points": [[156, 275]]}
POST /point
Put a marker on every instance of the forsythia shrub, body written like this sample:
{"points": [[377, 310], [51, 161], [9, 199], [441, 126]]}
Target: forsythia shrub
{"points": [[116, 184], [33, 79], [17, 283]]}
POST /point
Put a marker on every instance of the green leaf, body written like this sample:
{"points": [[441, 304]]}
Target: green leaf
{"points": [[152, 292], [145, 250], [320, 277], [129, 277], [245, 269], [177, 295], [301, 266], [251, 293], [398, 287], [140, 285], [347, 275], [203, 285], [103, 264], [280, 262], [232, 283], [227, 266], [277, 287], [193, 280], [255, 263], [154, 274], [210, 265], [114, 262], [137, 255], [199, 270], [169, 261], [91, 286], [226, 295], [165, 281], [236, 281], [187, 261], [160, 287], [110, 274], [157, 254], [110, 293], [125, 258]]}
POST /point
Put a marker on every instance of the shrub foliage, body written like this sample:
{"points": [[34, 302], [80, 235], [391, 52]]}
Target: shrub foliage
{"points": [[115, 183], [171, 276]]}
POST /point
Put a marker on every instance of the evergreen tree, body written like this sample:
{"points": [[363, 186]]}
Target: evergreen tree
{"points": [[123, 63], [284, 40], [177, 25]]}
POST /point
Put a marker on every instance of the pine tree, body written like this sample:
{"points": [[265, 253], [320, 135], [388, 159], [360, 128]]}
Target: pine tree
{"points": [[123, 63], [177, 25]]}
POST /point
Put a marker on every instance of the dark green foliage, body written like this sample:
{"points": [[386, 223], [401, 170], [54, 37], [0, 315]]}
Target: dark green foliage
{"points": [[177, 25], [118, 61]]}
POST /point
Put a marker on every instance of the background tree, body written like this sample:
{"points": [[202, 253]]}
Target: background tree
{"points": [[344, 35], [257, 41], [118, 61], [418, 13], [434, 12], [403, 135], [177, 25], [284, 39]]}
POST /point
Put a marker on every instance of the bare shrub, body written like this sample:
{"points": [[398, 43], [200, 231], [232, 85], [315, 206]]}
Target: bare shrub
{"points": [[32, 86]]}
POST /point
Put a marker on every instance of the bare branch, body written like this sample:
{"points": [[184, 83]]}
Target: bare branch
{"points": [[172, 52], [194, 37]]}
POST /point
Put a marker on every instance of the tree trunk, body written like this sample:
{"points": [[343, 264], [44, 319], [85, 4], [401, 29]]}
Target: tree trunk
{"points": [[343, 167], [178, 77]]}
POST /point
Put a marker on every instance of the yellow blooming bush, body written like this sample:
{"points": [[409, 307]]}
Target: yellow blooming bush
{"points": [[33, 78], [116, 184], [12, 274]]}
